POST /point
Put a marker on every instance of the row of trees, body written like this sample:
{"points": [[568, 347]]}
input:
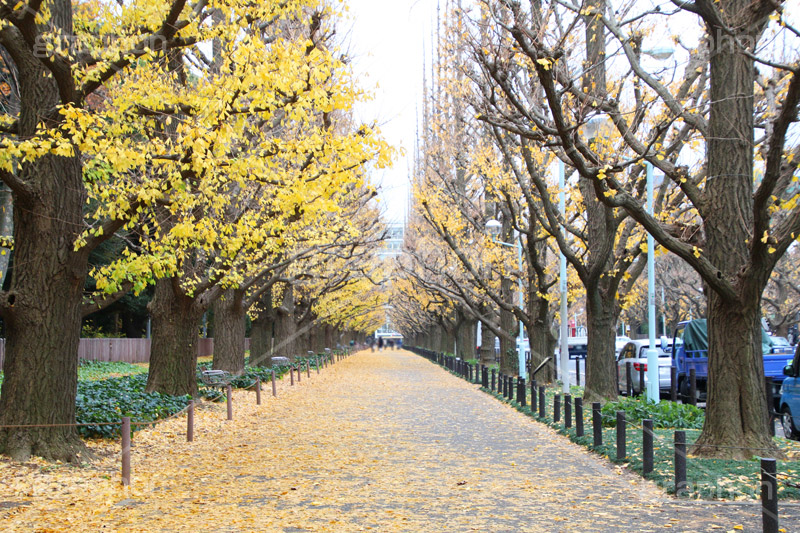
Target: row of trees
{"points": [[524, 91], [214, 143]]}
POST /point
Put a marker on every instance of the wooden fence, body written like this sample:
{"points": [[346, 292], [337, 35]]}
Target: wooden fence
{"points": [[126, 350]]}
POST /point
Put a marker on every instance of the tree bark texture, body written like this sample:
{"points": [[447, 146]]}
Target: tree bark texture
{"points": [[466, 338], [42, 309], [601, 377], [487, 354], [261, 332], [286, 327], [175, 331], [508, 323], [735, 424], [230, 324]]}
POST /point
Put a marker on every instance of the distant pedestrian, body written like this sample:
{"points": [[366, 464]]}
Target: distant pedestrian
{"points": [[380, 344]]}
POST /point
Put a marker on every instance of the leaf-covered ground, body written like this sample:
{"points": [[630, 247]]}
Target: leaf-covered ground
{"points": [[381, 441]]}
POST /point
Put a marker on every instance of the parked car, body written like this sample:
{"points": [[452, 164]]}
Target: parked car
{"points": [[635, 352], [692, 353], [790, 398], [781, 345]]}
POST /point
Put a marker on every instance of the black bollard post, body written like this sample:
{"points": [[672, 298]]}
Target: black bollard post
{"points": [[629, 378], [770, 406], [521, 392], [680, 463], [557, 408], [567, 410], [504, 386], [258, 391], [493, 376], [597, 424], [578, 372], [769, 495], [647, 446], [579, 417], [621, 449], [642, 368], [542, 402], [291, 375], [533, 396], [673, 384], [692, 386]]}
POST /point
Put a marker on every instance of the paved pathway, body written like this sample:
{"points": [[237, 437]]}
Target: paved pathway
{"points": [[382, 441]]}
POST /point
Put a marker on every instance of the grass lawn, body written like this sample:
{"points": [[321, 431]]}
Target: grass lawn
{"points": [[94, 370]]}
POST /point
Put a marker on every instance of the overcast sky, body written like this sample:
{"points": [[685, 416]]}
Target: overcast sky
{"points": [[386, 41]]}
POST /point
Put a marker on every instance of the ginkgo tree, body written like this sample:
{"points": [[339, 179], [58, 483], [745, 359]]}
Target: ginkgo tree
{"points": [[121, 107], [326, 258], [717, 122], [602, 244], [262, 156]]}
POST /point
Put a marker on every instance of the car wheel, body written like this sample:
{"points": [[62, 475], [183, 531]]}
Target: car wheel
{"points": [[684, 392], [789, 429]]}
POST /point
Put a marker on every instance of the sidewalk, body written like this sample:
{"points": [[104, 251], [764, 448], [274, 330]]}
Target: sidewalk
{"points": [[382, 441]]}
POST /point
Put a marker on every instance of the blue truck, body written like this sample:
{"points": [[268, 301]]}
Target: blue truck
{"points": [[690, 351]]}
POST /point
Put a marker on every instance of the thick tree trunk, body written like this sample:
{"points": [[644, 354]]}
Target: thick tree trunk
{"points": [[261, 333], [601, 377], [260, 340], [509, 361], [733, 427], [543, 345], [230, 323], [304, 336], [466, 338], [448, 340], [285, 327], [43, 321], [435, 338], [329, 337], [736, 415], [42, 308], [175, 331], [487, 346]]}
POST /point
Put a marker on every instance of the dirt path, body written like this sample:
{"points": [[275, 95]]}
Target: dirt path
{"points": [[381, 441]]}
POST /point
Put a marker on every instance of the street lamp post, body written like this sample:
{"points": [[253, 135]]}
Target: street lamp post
{"points": [[652, 352], [494, 227], [563, 351]]}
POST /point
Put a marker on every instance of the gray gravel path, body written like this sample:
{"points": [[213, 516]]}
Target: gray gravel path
{"points": [[459, 460]]}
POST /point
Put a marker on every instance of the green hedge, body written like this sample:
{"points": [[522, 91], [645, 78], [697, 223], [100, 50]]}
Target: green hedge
{"points": [[664, 414]]}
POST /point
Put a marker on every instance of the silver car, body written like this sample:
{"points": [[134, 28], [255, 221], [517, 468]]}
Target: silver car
{"points": [[635, 352]]}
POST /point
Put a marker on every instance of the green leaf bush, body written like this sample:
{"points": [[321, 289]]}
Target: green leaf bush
{"points": [[108, 400], [664, 414]]}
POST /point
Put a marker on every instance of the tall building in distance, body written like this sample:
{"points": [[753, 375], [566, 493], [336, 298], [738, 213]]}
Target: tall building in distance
{"points": [[393, 245]]}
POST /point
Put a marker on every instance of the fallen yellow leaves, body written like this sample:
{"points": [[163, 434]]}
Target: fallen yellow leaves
{"points": [[351, 449]]}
